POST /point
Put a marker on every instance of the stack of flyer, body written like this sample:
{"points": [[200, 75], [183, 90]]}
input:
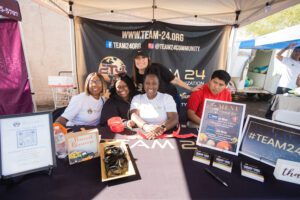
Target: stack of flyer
{"points": [[222, 163], [202, 157], [252, 171]]}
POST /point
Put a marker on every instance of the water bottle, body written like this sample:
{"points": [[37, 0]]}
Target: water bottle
{"points": [[60, 143]]}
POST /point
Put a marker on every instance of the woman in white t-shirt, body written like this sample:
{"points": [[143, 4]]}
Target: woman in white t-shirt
{"points": [[153, 111], [85, 108]]}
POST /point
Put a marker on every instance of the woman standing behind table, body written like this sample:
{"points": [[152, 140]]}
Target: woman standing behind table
{"points": [[154, 112], [85, 108], [142, 66], [119, 101]]}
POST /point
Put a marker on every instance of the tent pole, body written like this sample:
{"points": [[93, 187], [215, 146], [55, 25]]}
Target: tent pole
{"points": [[27, 66], [72, 44], [231, 49], [73, 52]]}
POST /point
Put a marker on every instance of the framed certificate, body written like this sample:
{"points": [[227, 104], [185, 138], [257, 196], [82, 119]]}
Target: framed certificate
{"points": [[221, 126], [26, 144]]}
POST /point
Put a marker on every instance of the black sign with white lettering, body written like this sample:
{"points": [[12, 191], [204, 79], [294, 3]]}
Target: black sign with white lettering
{"points": [[10, 9], [191, 53], [267, 140]]}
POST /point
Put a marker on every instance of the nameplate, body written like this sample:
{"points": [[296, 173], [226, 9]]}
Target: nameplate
{"points": [[286, 170]]}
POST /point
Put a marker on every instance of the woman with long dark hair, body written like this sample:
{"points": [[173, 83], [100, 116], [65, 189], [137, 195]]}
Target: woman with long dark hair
{"points": [[119, 101], [168, 81]]}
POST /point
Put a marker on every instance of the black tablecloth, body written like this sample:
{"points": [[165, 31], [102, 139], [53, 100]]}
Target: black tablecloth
{"points": [[165, 170]]}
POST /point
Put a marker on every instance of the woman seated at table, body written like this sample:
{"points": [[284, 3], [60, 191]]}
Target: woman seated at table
{"points": [[154, 112], [119, 101], [85, 108]]}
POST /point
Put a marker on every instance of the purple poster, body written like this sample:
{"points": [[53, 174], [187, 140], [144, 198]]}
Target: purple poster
{"points": [[14, 84]]}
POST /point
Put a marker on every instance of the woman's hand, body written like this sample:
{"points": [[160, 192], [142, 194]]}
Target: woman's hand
{"points": [[196, 88], [106, 94], [148, 127], [157, 131]]}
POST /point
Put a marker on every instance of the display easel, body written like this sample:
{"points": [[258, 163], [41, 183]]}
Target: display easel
{"points": [[63, 88]]}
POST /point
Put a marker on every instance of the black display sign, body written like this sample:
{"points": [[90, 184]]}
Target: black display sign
{"points": [[221, 126], [267, 140], [10, 9], [191, 53]]}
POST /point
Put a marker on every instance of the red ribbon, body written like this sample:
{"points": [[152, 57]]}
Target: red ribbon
{"points": [[175, 134]]}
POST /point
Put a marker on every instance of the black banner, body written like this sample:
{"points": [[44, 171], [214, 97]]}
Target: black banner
{"points": [[10, 9], [191, 53], [267, 140]]}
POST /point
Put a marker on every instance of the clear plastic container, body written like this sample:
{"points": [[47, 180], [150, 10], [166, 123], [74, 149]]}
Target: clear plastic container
{"points": [[60, 143]]}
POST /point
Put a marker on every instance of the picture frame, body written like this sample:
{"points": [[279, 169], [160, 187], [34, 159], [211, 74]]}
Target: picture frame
{"points": [[267, 140], [221, 126], [26, 144]]}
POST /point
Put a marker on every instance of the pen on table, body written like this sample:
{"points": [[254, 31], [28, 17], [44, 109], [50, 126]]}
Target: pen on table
{"points": [[216, 177]]}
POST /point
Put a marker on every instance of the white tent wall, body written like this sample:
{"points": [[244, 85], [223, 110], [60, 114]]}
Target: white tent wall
{"points": [[47, 29], [47, 37]]}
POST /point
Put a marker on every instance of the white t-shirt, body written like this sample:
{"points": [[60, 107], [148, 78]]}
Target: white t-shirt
{"points": [[84, 110], [289, 73], [153, 111]]}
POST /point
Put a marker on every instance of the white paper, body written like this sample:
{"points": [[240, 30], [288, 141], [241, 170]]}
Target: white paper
{"points": [[25, 143], [287, 170]]}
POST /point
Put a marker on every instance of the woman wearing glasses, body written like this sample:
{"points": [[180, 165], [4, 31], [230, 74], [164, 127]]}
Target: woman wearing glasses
{"points": [[85, 108]]}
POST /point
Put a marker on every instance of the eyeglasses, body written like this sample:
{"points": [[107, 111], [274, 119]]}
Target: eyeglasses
{"points": [[95, 82], [121, 87]]}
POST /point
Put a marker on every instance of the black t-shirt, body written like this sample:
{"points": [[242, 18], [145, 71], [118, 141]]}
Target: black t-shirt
{"points": [[165, 78], [113, 107], [139, 83]]}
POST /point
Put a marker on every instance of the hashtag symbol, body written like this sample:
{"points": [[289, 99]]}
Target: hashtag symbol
{"points": [[252, 135]]}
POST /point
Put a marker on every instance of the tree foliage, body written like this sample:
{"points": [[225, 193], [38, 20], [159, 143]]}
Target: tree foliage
{"points": [[286, 18]]}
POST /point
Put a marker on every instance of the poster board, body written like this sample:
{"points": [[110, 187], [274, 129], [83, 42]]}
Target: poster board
{"points": [[83, 145], [26, 144], [221, 126], [266, 140]]}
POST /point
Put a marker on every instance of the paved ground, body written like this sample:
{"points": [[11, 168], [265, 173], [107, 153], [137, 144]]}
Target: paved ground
{"points": [[254, 105]]}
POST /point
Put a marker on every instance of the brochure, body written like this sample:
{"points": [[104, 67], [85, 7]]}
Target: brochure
{"points": [[201, 156], [251, 171], [222, 163]]}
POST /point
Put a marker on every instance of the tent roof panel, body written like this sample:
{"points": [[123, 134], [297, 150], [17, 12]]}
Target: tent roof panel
{"points": [[188, 12]]}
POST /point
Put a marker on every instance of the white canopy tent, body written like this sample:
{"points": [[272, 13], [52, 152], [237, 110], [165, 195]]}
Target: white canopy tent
{"points": [[235, 13], [188, 12]]}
